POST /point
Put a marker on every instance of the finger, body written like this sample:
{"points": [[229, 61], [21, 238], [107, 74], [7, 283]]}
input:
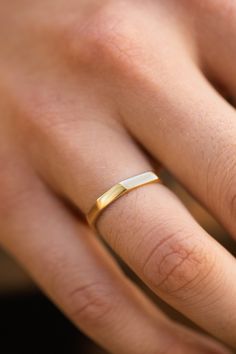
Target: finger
{"points": [[77, 273], [215, 24], [148, 228], [191, 130], [169, 106], [167, 103]]}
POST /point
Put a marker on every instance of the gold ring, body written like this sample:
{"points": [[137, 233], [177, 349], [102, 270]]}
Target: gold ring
{"points": [[117, 191]]}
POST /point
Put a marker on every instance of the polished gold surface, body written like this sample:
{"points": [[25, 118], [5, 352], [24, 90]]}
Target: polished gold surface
{"points": [[117, 191]]}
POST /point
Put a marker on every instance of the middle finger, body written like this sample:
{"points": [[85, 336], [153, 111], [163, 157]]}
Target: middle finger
{"points": [[191, 129]]}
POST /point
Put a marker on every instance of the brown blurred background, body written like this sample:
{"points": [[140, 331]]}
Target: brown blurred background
{"points": [[30, 324]]}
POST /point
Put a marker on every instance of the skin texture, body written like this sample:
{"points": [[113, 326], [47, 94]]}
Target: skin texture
{"points": [[89, 91]]}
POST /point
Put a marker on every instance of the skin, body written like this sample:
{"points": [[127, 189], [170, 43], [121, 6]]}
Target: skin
{"points": [[90, 90]]}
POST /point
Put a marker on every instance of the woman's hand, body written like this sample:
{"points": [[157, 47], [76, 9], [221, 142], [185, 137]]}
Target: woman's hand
{"points": [[88, 89]]}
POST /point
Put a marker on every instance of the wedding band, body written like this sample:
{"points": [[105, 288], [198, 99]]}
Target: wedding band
{"points": [[117, 191]]}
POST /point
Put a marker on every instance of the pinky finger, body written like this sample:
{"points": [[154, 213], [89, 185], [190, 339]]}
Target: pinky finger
{"points": [[75, 270]]}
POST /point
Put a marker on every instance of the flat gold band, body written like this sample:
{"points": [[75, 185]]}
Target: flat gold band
{"points": [[117, 191]]}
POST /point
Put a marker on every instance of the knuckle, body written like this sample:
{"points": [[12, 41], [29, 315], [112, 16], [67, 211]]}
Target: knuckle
{"points": [[91, 304], [177, 264], [108, 37]]}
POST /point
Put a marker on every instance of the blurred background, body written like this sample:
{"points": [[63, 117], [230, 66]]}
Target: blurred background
{"points": [[31, 324]]}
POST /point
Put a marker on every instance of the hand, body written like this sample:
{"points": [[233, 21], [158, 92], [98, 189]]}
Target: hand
{"points": [[88, 90]]}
